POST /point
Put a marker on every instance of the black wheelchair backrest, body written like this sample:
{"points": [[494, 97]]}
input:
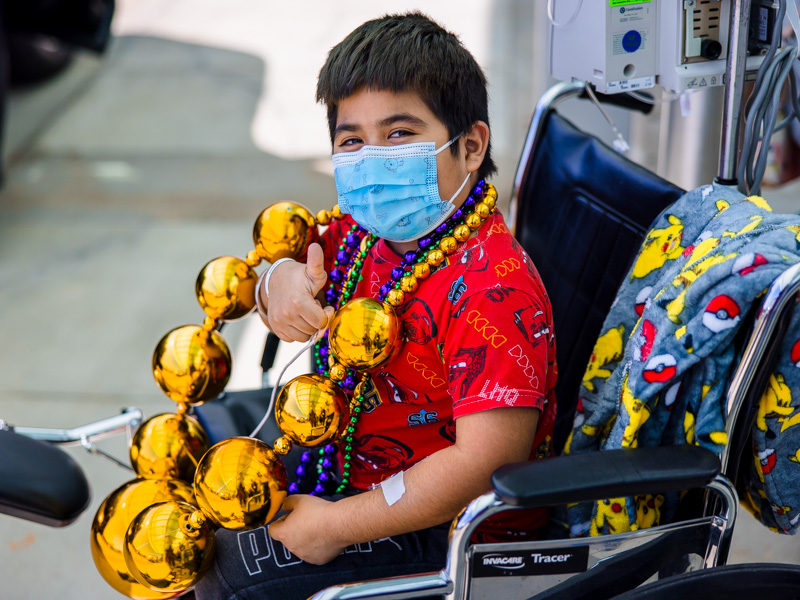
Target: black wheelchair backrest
{"points": [[582, 210]]}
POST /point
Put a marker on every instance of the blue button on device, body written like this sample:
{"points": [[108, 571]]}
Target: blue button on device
{"points": [[631, 41]]}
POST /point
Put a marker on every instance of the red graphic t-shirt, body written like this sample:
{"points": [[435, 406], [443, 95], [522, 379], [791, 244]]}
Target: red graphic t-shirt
{"points": [[478, 335]]}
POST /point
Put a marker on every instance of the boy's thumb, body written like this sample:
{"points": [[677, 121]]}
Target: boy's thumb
{"points": [[315, 267]]}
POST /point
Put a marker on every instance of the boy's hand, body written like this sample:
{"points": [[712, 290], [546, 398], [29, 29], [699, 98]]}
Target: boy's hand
{"points": [[294, 314], [305, 529]]}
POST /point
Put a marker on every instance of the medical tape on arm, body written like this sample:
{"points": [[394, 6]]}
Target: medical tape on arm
{"points": [[393, 488]]}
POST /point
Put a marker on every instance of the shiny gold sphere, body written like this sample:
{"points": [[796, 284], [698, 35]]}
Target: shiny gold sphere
{"points": [[337, 372], [253, 259], [323, 217], [435, 257], [284, 230], [169, 546], [111, 522], [336, 212], [409, 284], [226, 288], [311, 410], [422, 270], [240, 483], [482, 209], [473, 220], [448, 244], [462, 233], [490, 201], [395, 297], [282, 446], [365, 334], [489, 192], [168, 446], [191, 364]]}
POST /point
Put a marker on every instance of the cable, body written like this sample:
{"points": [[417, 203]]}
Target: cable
{"points": [[620, 143], [569, 21], [763, 106], [275, 389], [652, 101]]}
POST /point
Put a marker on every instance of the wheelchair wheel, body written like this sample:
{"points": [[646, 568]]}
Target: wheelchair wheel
{"points": [[732, 582]]}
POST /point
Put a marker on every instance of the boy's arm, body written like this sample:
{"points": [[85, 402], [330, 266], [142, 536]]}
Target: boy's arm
{"points": [[436, 489]]}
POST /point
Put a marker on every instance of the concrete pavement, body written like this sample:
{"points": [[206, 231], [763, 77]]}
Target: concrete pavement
{"points": [[130, 172]]}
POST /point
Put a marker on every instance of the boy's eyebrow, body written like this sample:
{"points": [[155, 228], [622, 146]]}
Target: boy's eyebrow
{"points": [[399, 117]]}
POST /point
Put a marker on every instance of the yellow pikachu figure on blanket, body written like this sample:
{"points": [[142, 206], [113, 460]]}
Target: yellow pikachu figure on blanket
{"points": [[648, 510], [776, 401], [659, 246], [638, 413], [607, 349]]}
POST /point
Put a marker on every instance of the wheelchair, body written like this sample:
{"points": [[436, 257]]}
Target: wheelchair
{"points": [[572, 191]]}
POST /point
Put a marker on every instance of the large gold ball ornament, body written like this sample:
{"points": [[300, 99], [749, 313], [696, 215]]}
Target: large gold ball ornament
{"points": [[168, 446], [336, 212], [448, 244], [323, 217], [409, 284], [396, 297], [169, 546], [490, 201], [337, 372], [284, 230], [226, 288], [473, 220], [311, 410], [111, 523], [240, 483], [365, 333], [422, 270], [462, 233], [490, 192], [282, 446], [482, 209], [192, 364], [435, 257]]}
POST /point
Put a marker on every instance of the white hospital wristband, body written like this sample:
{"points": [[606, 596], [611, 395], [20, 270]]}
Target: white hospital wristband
{"points": [[263, 280], [269, 272]]}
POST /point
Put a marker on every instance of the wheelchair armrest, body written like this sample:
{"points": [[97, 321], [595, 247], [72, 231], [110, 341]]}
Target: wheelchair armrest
{"points": [[40, 482], [608, 474]]}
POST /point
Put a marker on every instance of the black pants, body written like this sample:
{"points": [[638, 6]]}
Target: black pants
{"points": [[250, 565]]}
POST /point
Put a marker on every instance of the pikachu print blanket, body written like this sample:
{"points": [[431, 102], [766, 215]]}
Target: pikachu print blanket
{"points": [[660, 369]]}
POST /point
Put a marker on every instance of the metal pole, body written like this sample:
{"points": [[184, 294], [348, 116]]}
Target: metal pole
{"points": [[734, 90]]}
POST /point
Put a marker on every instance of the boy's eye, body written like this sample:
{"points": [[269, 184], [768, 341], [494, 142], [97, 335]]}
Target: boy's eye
{"points": [[351, 141], [400, 133]]}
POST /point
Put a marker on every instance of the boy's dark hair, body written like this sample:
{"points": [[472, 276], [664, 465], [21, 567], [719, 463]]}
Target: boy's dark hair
{"points": [[409, 53]]}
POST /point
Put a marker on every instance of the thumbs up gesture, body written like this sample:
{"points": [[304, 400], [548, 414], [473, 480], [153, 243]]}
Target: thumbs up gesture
{"points": [[293, 312]]}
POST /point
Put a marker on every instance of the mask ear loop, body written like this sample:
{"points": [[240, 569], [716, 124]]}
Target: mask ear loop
{"points": [[466, 179]]}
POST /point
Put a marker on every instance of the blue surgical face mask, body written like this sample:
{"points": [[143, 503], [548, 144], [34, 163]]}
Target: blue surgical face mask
{"points": [[392, 191]]}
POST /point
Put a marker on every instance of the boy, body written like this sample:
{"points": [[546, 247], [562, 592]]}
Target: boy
{"points": [[479, 351]]}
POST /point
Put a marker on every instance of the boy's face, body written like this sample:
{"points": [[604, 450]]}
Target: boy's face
{"points": [[384, 118]]}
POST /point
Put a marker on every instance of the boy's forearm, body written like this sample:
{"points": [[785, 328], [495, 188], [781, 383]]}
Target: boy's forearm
{"points": [[436, 489]]}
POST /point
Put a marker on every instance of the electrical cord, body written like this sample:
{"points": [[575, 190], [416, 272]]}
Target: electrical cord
{"points": [[552, 19], [620, 143], [763, 106], [647, 100]]}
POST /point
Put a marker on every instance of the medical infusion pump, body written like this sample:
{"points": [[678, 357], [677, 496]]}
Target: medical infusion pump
{"points": [[625, 45]]}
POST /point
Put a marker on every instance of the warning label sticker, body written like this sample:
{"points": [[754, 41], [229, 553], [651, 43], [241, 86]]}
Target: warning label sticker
{"points": [[613, 3]]}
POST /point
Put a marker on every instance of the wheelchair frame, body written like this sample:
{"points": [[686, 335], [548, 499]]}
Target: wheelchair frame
{"points": [[747, 383]]}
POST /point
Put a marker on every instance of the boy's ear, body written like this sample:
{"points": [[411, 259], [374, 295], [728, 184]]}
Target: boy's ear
{"points": [[476, 142]]}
